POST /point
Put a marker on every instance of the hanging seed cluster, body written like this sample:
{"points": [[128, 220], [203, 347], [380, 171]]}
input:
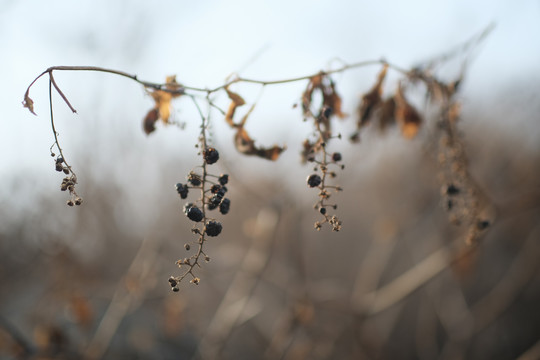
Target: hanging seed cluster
{"points": [[69, 182], [212, 191]]}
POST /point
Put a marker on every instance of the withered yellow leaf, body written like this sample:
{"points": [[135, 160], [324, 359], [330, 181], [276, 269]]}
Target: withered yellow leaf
{"points": [[162, 98]]}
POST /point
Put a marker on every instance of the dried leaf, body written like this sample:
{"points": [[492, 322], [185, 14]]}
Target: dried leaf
{"points": [[237, 101], [314, 83], [150, 121], [454, 111], [28, 103], [333, 101], [406, 115], [163, 98], [386, 113], [308, 152], [163, 104], [371, 100], [246, 145]]}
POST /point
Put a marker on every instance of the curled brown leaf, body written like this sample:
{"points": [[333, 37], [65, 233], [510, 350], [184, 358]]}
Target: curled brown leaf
{"points": [[237, 101], [29, 103], [371, 100], [246, 145], [406, 115], [386, 113], [149, 123], [162, 100]]}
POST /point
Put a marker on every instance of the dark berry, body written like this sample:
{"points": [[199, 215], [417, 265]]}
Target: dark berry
{"points": [[59, 160], [213, 228], [221, 192], [216, 200], [194, 179], [210, 155], [70, 203], [187, 207], [211, 206], [452, 190], [195, 214], [78, 201], [182, 190], [223, 179], [215, 188], [313, 180], [322, 210], [482, 224], [175, 289], [336, 156], [327, 112], [225, 206], [173, 281], [58, 167], [66, 171]]}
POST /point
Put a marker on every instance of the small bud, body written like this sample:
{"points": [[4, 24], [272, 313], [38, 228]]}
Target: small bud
{"points": [[187, 247]]}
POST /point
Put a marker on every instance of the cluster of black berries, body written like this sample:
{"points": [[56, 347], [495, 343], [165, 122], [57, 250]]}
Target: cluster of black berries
{"points": [[182, 190], [213, 197], [316, 181], [218, 199]]}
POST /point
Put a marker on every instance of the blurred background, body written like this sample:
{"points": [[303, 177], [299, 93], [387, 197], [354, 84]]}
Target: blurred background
{"points": [[396, 282]]}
